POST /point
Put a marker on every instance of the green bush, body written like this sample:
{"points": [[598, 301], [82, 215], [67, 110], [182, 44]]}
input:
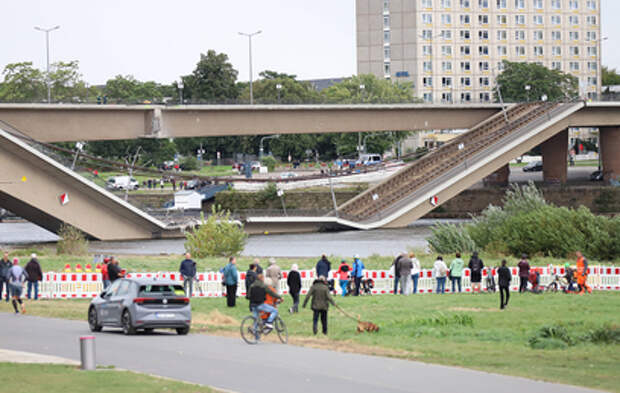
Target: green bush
{"points": [[269, 193], [608, 334], [218, 235], [72, 241], [450, 238], [269, 162], [441, 319], [190, 163], [551, 337]]}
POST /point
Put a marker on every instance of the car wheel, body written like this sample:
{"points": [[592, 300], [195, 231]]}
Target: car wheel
{"points": [[148, 330], [93, 320], [183, 331], [128, 327]]}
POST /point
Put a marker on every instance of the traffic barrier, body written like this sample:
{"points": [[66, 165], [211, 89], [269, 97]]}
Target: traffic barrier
{"points": [[74, 285]]}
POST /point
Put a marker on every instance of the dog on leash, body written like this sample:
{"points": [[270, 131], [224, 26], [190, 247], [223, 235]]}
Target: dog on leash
{"points": [[364, 326]]}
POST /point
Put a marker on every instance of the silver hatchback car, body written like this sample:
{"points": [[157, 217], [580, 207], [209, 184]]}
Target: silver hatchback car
{"points": [[133, 304]]}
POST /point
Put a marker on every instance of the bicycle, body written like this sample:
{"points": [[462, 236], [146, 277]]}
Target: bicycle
{"points": [[559, 282], [252, 328]]}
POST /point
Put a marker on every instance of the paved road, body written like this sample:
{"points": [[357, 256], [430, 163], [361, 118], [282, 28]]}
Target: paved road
{"points": [[230, 364]]}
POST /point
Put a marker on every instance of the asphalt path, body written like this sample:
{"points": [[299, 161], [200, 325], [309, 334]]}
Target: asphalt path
{"points": [[230, 364]]}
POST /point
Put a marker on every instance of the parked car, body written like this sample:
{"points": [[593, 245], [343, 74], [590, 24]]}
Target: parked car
{"points": [[534, 166], [596, 176], [369, 159], [133, 304], [122, 183], [287, 175]]}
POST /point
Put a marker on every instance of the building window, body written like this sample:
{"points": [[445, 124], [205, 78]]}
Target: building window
{"points": [[465, 19], [446, 82], [446, 19], [386, 69], [501, 4], [573, 66], [500, 66], [427, 50], [556, 65], [519, 4], [592, 66], [483, 34], [483, 3], [556, 51], [538, 4], [427, 35], [428, 97], [556, 35], [538, 51], [446, 50], [484, 81], [446, 34], [591, 4], [446, 66], [483, 65], [502, 19], [592, 81], [592, 51], [573, 4], [502, 50], [573, 35], [386, 21], [427, 81], [483, 19], [520, 19], [556, 4], [502, 35], [519, 51], [427, 3], [556, 20], [446, 97], [574, 50], [465, 50], [591, 20], [538, 35], [446, 4], [465, 35], [591, 36], [465, 4], [538, 19], [520, 35], [573, 20], [427, 18], [427, 66], [386, 36], [465, 97], [386, 52], [465, 81], [485, 97], [483, 50], [386, 6], [465, 66]]}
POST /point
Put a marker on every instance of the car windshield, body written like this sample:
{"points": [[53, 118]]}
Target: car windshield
{"points": [[162, 289]]}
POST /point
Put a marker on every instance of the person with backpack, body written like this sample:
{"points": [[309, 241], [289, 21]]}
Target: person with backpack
{"points": [[35, 274], [475, 266], [405, 265], [524, 273], [231, 278], [456, 272], [504, 277], [343, 276], [17, 277], [440, 271], [293, 280], [357, 273]]}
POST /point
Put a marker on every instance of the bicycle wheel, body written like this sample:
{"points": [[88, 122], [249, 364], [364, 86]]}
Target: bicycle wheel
{"points": [[249, 334], [553, 287], [281, 329]]}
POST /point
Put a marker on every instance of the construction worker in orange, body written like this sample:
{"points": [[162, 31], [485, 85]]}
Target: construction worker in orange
{"points": [[582, 273]]}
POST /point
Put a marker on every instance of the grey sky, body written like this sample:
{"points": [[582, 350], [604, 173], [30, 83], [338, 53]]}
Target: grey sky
{"points": [[160, 40]]}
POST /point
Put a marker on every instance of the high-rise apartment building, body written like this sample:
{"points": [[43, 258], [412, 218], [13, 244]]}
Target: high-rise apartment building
{"points": [[452, 49]]}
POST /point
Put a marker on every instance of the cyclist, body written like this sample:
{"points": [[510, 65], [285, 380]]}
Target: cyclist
{"points": [[258, 294]]}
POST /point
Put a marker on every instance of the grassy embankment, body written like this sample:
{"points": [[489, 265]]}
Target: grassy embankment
{"points": [[47, 378], [458, 330]]}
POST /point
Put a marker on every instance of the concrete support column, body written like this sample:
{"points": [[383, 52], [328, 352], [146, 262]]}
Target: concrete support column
{"points": [[610, 152], [555, 153], [499, 177]]}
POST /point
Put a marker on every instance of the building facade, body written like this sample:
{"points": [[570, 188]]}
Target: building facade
{"points": [[452, 49]]}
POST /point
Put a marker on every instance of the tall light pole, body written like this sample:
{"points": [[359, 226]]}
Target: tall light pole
{"points": [[180, 84], [260, 145], [47, 51], [250, 35], [599, 74], [278, 88]]}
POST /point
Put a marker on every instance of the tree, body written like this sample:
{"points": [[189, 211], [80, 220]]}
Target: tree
{"points": [[66, 82], [555, 84], [213, 79], [610, 76], [375, 91], [154, 151], [292, 91], [22, 83], [129, 90], [218, 235]]}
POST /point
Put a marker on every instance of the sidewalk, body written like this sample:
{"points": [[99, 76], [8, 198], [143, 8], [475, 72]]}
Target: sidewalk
{"points": [[8, 356]]}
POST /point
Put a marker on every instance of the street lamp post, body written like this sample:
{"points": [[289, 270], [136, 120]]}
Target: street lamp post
{"points": [[599, 75], [359, 134], [278, 88], [181, 92], [260, 145], [250, 35], [47, 51], [527, 89]]}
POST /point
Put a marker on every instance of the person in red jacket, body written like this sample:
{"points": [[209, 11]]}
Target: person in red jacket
{"points": [[105, 277], [343, 276]]}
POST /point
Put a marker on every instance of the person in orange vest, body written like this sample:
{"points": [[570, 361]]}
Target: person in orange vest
{"points": [[582, 273]]}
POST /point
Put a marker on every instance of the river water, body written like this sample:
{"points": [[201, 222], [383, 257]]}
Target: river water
{"points": [[346, 243]]}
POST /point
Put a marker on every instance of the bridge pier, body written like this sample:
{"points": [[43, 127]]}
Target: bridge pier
{"points": [[610, 152], [554, 153], [499, 178]]}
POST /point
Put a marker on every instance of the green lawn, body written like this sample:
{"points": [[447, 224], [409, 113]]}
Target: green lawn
{"points": [[460, 330], [49, 378]]}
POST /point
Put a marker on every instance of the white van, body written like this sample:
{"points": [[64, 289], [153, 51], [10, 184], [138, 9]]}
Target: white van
{"points": [[370, 159], [122, 183]]}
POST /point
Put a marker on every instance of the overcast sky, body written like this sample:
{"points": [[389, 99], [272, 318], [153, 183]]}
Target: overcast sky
{"points": [[162, 39]]}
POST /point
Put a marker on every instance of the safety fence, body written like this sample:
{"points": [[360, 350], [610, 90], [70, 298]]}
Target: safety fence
{"points": [[209, 284]]}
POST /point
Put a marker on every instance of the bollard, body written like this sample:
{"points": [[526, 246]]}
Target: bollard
{"points": [[87, 353]]}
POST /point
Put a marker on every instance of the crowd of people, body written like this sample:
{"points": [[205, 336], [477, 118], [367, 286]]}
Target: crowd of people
{"points": [[13, 277]]}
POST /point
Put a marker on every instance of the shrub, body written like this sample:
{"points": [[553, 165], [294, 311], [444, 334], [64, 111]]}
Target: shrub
{"points": [[551, 337], [218, 235], [269, 162], [189, 163], [450, 238], [608, 334], [441, 319], [269, 193], [72, 241]]}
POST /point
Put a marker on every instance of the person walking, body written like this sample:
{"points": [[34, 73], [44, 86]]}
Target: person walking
{"points": [[404, 266], [5, 267], [293, 280], [524, 273], [321, 298], [415, 271], [17, 276], [504, 277], [188, 272], [250, 277], [34, 274], [475, 266], [275, 274], [231, 278], [357, 273], [440, 271], [582, 273], [343, 276], [456, 271], [396, 270], [323, 266]]}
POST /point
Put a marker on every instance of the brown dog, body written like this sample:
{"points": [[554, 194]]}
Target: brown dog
{"points": [[364, 326]]}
